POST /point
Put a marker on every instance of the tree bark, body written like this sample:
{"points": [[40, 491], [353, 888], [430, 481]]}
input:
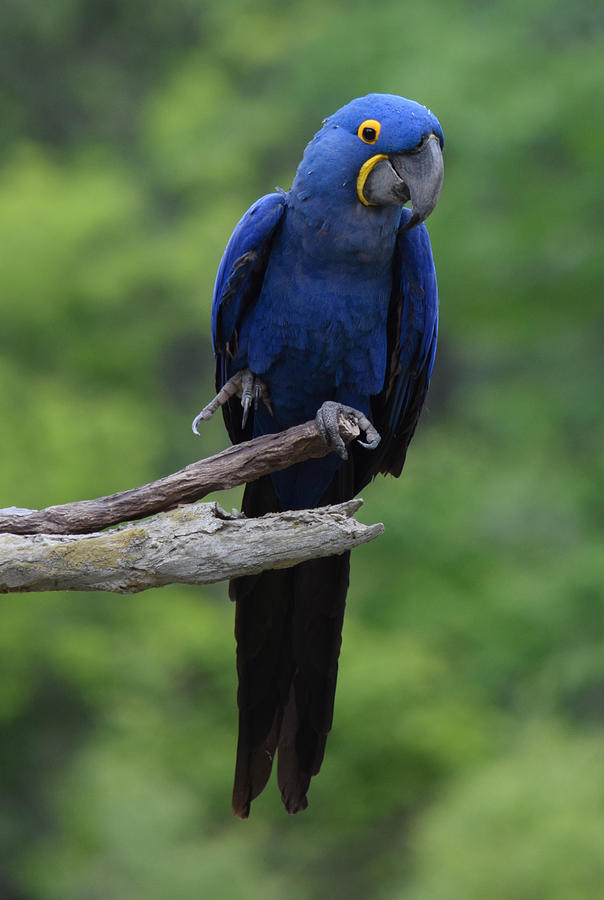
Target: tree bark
{"points": [[192, 544]]}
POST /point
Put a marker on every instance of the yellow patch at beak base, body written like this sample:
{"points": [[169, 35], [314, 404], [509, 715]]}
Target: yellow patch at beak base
{"points": [[364, 174]]}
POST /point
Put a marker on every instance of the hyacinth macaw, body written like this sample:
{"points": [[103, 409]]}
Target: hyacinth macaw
{"points": [[325, 297]]}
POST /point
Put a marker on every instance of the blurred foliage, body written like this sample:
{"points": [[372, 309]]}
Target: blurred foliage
{"points": [[466, 758]]}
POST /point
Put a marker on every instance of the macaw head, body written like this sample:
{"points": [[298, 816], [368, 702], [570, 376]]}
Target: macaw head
{"points": [[382, 150]]}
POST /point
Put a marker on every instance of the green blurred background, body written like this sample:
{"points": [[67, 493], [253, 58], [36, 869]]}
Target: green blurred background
{"points": [[467, 757]]}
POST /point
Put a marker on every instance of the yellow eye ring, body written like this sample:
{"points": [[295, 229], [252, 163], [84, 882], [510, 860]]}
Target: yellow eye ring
{"points": [[369, 131]]}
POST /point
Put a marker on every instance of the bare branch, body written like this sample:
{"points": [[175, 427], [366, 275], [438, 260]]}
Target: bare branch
{"points": [[193, 544], [237, 465]]}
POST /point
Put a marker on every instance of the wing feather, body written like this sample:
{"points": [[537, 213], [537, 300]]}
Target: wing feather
{"points": [[238, 284], [412, 337]]}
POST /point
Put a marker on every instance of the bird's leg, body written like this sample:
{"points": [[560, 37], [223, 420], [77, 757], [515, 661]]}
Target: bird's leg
{"points": [[328, 427], [243, 384]]}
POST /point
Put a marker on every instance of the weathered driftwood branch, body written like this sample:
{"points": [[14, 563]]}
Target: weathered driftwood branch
{"points": [[62, 547], [232, 467], [193, 544]]}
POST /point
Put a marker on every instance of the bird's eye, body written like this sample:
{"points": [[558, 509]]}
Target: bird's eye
{"points": [[369, 131]]}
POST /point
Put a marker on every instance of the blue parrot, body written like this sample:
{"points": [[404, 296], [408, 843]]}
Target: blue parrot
{"points": [[325, 299]]}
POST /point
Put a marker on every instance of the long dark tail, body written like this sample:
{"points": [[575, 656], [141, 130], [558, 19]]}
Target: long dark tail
{"points": [[288, 626]]}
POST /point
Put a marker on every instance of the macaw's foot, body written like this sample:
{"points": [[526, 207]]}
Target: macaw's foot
{"points": [[244, 384], [327, 425]]}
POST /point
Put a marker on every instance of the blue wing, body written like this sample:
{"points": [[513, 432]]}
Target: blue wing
{"points": [[412, 336], [238, 283]]}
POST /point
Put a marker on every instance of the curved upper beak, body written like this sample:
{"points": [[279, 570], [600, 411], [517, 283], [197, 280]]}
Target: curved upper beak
{"points": [[417, 176]]}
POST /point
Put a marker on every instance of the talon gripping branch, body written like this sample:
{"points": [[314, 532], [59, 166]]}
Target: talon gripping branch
{"points": [[326, 296]]}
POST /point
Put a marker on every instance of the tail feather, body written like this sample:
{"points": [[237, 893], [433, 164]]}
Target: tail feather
{"points": [[319, 601], [293, 778], [263, 667], [253, 768], [261, 625], [288, 626]]}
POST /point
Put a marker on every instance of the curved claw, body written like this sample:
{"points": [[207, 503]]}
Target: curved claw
{"points": [[208, 411], [371, 433], [371, 445], [198, 418], [247, 389]]}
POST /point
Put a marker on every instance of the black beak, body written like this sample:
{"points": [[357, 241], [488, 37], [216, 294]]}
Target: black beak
{"points": [[415, 176]]}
